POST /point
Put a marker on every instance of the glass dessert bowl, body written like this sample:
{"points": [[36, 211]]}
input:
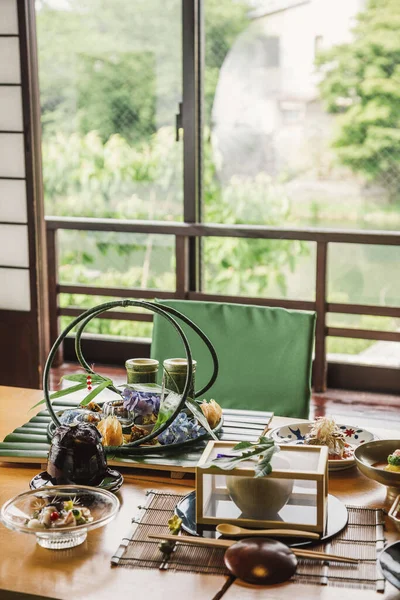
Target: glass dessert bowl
{"points": [[60, 516]]}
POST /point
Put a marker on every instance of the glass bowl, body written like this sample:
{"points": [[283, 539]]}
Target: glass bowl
{"points": [[116, 408], [103, 506]]}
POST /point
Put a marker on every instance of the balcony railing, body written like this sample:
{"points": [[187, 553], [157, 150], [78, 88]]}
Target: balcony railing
{"points": [[184, 232]]}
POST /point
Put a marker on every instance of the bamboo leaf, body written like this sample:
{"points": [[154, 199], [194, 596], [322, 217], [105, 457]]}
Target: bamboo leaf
{"points": [[24, 446], [198, 413], [264, 467], [96, 392], [33, 438], [24, 454], [82, 377], [60, 393]]}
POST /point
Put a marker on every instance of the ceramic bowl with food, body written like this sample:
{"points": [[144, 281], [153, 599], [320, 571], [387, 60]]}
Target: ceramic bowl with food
{"points": [[372, 460], [297, 433], [60, 516]]}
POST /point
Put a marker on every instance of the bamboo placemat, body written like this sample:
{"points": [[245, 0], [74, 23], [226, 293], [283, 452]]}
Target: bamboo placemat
{"points": [[363, 539]]}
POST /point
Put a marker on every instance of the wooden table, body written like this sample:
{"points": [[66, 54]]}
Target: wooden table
{"points": [[84, 573]]}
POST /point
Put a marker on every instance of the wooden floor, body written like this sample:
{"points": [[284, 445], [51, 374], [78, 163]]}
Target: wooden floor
{"points": [[348, 407]]}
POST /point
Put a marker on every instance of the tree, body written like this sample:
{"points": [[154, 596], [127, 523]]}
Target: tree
{"points": [[361, 83], [117, 94]]}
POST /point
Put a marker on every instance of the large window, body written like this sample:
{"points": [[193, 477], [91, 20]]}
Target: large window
{"points": [[290, 118], [111, 84], [301, 131]]}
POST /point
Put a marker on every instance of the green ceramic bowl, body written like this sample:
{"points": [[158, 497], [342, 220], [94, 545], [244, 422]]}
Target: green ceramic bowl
{"points": [[371, 459]]}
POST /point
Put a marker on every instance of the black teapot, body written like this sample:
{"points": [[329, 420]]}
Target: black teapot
{"points": [[76, 455]]}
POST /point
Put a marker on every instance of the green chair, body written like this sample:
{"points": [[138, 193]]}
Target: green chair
{"points": [[265, 354]]}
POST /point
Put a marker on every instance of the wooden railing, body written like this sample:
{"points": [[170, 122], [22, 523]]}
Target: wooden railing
{"points": [[184, 232]]}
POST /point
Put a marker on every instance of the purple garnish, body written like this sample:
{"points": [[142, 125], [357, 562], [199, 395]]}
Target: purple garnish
{"points": [[181, 430], [142, 403]]}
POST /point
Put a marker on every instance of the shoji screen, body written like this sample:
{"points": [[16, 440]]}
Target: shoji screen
{"points": [[23, 333]]}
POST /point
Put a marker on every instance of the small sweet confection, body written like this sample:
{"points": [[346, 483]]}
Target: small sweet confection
{"points": [[212, 412], [393, 462], [111, 431], [58, 514], [76, 455]]}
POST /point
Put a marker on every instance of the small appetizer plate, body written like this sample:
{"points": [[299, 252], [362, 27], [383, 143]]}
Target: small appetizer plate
{"points": [[17, 512], [112, 481], [295, 433]]}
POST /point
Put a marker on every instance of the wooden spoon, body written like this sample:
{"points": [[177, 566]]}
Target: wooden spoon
{"points": [[235, 531]]}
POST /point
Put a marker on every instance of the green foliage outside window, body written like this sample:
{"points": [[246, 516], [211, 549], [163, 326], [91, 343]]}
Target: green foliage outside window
{"points": [[117, 94], [361, 83]]}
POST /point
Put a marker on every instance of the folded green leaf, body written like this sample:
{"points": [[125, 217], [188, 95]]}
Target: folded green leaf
{"points": [[263, 466], [263, 450], [95, 392], [198, 413], [167, 407], [60, 393], [265, 441], [242, 446]]}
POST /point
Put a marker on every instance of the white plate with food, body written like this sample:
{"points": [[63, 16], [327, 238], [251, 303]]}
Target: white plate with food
{"points": [[324, 431]]}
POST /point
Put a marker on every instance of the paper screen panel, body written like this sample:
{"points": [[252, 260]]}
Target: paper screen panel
{"points": [[10, 109], [15, 289], [14, 246], [8, 17], [9, 60], [13, 201], [12, 159]]}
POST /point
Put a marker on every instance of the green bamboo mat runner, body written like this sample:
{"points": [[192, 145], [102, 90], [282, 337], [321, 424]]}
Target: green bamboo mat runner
{"points": [[30, 444], [362, 539]]}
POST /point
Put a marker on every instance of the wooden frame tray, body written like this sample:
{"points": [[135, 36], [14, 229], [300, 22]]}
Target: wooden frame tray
{"points": [[30, 444]]}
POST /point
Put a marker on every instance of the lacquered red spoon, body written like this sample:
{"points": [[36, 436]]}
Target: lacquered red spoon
{"points": [[262, 561]]}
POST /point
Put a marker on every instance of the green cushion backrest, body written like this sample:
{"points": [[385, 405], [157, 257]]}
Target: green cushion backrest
{"points": [[265, 354]]}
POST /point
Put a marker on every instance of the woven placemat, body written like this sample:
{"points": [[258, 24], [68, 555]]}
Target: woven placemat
{"points": [[363, 539]]}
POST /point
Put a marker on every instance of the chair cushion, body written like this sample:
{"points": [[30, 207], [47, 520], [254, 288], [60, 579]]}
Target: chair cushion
{"points": [[265, 354]]}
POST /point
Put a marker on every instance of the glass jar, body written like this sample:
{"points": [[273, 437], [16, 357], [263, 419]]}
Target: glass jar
{"points": [[116, 408], [141, 370], [174, 376]]}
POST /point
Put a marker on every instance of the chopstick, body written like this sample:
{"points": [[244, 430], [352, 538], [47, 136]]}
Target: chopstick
{"points": [[315, 555], [217, 543]]}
